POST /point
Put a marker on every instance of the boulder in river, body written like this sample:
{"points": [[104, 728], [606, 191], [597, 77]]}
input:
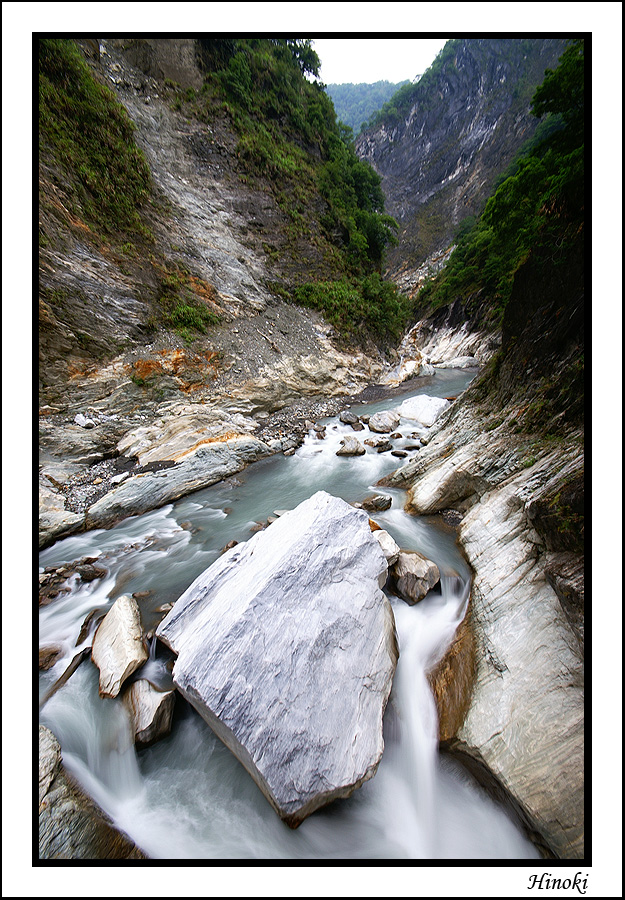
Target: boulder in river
{"points": [[118, 645], [384, 422], [423, 409], [150, 711], [377, 502], [414, 575], [350, 446], [286, 646]]}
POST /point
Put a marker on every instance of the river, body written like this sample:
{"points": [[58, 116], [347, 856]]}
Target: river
{"points": [[187, 797]]}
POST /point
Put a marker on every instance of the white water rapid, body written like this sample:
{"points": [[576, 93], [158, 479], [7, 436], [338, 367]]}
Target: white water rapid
{"points": [[187, 797]]}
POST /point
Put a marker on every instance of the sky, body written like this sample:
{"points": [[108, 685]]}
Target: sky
{"points": [[367, 60]]}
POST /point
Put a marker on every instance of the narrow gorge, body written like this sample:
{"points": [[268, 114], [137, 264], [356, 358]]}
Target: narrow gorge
{"points": [[311, 466]]}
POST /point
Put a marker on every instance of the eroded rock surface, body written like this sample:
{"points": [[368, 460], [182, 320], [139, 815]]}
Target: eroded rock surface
{"points": [[414, 575], [286, 646], [71, 826], [150, 711], [118, 645]]}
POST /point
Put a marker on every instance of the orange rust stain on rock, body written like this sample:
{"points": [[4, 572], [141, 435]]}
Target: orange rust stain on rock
{"points": [[217, 439], [144, 368]]}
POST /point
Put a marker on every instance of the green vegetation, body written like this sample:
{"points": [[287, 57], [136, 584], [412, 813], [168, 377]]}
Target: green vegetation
{"points": [[290, 143], [349, 306], [395, 109], [187, 303], [87, 135], [539, 204], [356, 104]]}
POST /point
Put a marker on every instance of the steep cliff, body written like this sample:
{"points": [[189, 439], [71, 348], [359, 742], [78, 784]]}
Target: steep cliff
{"points": [[166, 260], [442, 148]]}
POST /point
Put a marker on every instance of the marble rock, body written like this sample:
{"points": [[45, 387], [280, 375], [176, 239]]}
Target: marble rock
{"points": [[118, 646], [195, 469], [414, 575], [71, 826], [286, 646], [150, 711], [526, 718], [423, 409], [384, 422], [350, 446], [390, 548]]}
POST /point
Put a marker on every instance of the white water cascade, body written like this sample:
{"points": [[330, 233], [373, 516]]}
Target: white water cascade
{"points": [[187, 797]]}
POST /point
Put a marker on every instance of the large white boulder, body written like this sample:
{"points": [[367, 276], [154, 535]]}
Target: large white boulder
{"points": [[286, 646], [423, 409]]}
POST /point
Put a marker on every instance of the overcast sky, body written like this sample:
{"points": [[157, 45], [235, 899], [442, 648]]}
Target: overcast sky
{"points": [[355, 60]]}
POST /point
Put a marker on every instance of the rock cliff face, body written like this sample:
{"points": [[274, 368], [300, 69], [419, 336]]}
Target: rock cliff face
{"points": [[102, 358], [440, 160], [509, 457]]}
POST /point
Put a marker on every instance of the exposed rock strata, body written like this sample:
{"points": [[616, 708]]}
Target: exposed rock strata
{"points": [[71, 826], [286, 646], [525, 720], [439, 162], [204, 466]]}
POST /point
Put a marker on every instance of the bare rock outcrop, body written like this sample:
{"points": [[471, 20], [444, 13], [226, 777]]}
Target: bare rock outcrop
{"points": [[286, 646], [71, 826]]}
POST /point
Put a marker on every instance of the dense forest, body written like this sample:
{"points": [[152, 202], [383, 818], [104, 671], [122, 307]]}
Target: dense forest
{"points": [[356, 104]]}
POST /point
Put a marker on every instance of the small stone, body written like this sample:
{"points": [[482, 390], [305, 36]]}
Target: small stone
{"points": [[229, 546], [97, 481], [164, 607], [83, 421], [399, 453], [289, 452], [390, 548], [141, 595], [347, 417], [377, 502]]}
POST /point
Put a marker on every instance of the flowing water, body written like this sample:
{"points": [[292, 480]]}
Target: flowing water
{"points": [[187, 797]]}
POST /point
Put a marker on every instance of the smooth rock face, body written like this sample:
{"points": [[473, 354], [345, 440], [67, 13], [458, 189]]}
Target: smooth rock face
{"points": [[118, 647], [526, 719], [202, 467], [414, 575], [384, 422], [390, 548], [286, 646], [150, 711], [423, 409], [71, 826]]}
